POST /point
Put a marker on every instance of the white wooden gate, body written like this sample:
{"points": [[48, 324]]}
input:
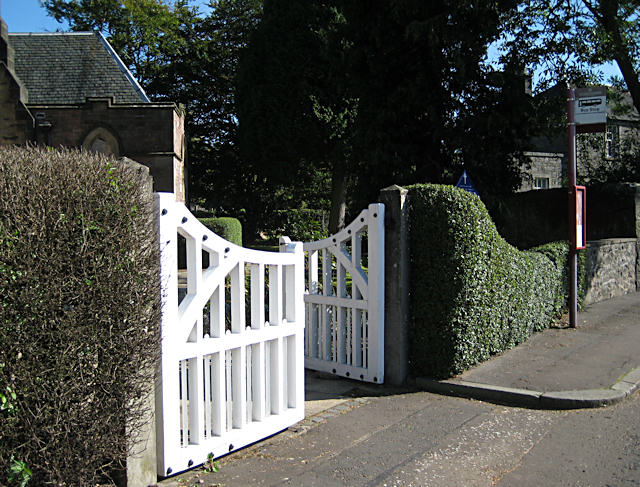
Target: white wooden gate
{"points": [[345, 300], [232, 363]]}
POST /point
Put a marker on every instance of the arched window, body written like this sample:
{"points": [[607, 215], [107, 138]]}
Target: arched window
{"points": [[102, 141]]}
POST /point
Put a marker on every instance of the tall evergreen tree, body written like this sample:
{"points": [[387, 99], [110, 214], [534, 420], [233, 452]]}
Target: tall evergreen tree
{"points": [[294, 106], [383, 92], [426, 95]]}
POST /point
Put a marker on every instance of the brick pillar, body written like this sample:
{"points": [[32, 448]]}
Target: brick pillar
{"points": [[396, 307]]}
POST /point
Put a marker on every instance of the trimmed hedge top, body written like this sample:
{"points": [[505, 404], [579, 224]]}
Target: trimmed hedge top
{"points": [[472, 294], [226, 227]]}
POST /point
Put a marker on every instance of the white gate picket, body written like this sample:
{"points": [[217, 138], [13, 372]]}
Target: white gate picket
{"points": [[345, 321], [222, 385]]}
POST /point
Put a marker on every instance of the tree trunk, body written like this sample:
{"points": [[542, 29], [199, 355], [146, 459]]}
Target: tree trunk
{"points": [[608, 17], [338, 198], [631, 78]]}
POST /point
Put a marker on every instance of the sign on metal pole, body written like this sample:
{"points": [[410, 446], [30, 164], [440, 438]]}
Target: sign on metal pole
{"points": [[586, 112], [590, 109]]}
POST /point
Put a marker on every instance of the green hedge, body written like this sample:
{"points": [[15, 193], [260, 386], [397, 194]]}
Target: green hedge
{"points": [[226, 227], [79, 314], [472, 294]]}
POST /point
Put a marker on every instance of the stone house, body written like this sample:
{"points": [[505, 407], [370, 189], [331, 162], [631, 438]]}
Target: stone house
{"points": [[73, 90]]}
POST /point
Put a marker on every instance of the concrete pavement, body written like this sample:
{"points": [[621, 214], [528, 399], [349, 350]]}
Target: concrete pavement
{"points": [[595, 364]]}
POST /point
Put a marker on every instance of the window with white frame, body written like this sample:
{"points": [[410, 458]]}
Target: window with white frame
{"points": [[540, 183], [611, 138]]}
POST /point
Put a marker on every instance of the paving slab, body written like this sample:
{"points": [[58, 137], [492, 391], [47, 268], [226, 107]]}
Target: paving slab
{"points": [[604, 347]]}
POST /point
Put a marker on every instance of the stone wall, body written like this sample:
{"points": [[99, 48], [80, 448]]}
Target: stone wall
{"points": [[16, 123], [610, 268]]}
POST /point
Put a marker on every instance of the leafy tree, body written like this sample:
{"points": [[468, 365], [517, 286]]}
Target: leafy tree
{"points": [[428, 102], [567, 40], [203, 78]]}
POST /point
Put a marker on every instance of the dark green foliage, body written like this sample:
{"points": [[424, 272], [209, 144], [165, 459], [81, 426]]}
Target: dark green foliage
{"points": [[226, 227], [622, 162], [293, 105], [427, 102], [202, 76], [79, 308], [534, 217], [377, 93], [303, 225], [472, 294]]}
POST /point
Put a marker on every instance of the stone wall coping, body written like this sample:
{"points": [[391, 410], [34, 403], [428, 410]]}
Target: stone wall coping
{"points": [[611, 241], [543, 154]]}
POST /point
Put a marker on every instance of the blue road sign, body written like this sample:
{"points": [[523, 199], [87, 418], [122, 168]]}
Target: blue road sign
{"points": [[465, 183]]}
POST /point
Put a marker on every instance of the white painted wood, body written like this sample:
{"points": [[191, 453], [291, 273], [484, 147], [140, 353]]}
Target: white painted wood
{"points": [[237, 299], [184, 402], [257, 296], [258, 381], [239, 387], [277, 376], [220, 390], [208, 427], [345, 327], [375, 317], [196, 401], [218, 410], [275, 294]]}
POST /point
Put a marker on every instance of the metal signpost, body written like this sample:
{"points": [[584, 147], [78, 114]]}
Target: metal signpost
{"points": [[586, 112]]}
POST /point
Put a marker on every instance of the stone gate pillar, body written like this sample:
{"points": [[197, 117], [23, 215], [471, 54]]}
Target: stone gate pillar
{"points": [[396, 308]]}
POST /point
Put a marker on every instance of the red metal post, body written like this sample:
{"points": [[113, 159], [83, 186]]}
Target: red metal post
{"points": [[573, 254]]}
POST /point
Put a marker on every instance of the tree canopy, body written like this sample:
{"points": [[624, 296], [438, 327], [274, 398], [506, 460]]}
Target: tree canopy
{"points": [[145, 33], [567, 40], [387, 92], [293, 104]]}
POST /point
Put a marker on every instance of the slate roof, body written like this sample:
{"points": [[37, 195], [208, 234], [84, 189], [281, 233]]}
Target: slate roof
{"points": [[66, 68]]}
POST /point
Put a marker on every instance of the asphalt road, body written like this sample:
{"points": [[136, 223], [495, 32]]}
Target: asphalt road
{"points": [[421, 439]]}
